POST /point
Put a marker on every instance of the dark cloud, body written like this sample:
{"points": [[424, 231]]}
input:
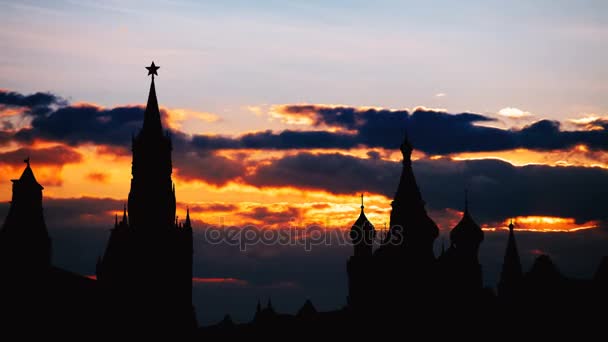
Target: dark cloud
{"points": [[433, 132], [53, 156], [336, 173], [36, 104], [213, 207], [269, 217], [277, 141], [498, 189], [75, 125], [206, 166]]}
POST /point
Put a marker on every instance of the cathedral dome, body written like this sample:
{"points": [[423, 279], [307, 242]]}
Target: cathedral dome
{"points": [[467, 230]]}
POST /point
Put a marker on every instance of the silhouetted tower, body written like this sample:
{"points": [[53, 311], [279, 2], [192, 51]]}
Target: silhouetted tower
{"points": [[465, 238], [359, 266], [25, 245], [409, 219], [147, 265], [511, 275], [362, 234], [152, 195]]}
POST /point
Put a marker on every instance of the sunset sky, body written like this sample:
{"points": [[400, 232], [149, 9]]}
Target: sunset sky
{"points": [[283, 112]]}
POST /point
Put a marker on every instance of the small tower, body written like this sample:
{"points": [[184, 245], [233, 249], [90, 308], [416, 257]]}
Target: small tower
{"points": [[467, 235], [360, 266], [511, 275], [362, 234], [25, 245], [465, 238]]}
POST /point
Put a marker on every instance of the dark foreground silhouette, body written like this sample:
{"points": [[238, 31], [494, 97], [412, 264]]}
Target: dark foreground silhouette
{"points": [[143, 285]]}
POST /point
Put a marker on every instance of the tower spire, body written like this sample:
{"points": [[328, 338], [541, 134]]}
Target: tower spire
{"points": [[362, 202], [187, 223], [152, 122]]}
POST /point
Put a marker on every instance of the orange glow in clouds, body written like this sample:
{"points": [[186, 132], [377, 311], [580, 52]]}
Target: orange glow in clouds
{"points": [[545, 224]]}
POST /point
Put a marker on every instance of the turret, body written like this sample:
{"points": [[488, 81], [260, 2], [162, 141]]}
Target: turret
{"points": [[25, 245], [511, 275], [362, 234]]}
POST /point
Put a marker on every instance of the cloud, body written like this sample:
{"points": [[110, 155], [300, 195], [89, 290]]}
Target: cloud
{"points": [[440, 95], [318, 172], [498, 189], [86, 123], [50, 156], [273, 217], [206, 166], [213, 207], [36, 104], [591, 123], [98, 177], [432, 131], [513, 113]]}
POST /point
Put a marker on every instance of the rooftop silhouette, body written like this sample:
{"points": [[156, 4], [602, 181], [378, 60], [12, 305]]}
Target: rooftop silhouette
{"points": [[143, 284]]}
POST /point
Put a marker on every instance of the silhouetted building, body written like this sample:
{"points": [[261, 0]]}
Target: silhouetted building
{"points": [[307, 311], [359, 266], [460, 267], [25, 245], [511, 275], [147, 265], [35, 296]]}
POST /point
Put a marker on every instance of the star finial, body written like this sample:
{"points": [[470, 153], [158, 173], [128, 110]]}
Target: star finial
{"points": [[152, 70], [27, 161]]}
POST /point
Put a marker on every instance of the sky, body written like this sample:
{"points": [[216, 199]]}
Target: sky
{"points": [[283, 112]]}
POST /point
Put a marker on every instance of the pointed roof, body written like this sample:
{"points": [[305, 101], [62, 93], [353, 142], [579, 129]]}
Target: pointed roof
{"points": [[408, 205], [27, 177], [362, 222], [187, 224], [124, 214], [408, 190], [307, 309], [511, 267], [544, 270], [152, 123], [467, 229]]}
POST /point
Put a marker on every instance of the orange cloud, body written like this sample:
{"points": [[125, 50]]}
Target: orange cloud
{"points": [[579, 155], [545, 224], [99, 177], [176, 117]]}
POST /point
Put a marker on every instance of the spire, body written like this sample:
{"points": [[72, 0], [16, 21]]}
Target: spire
{"points": [[115, 220], [406, 149], [511, 272], [187, 224], [467, 231], [27, 177], [258, 308], [362, 234], [362, 202], [408, 214], [269, 306], [152, 122]]}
